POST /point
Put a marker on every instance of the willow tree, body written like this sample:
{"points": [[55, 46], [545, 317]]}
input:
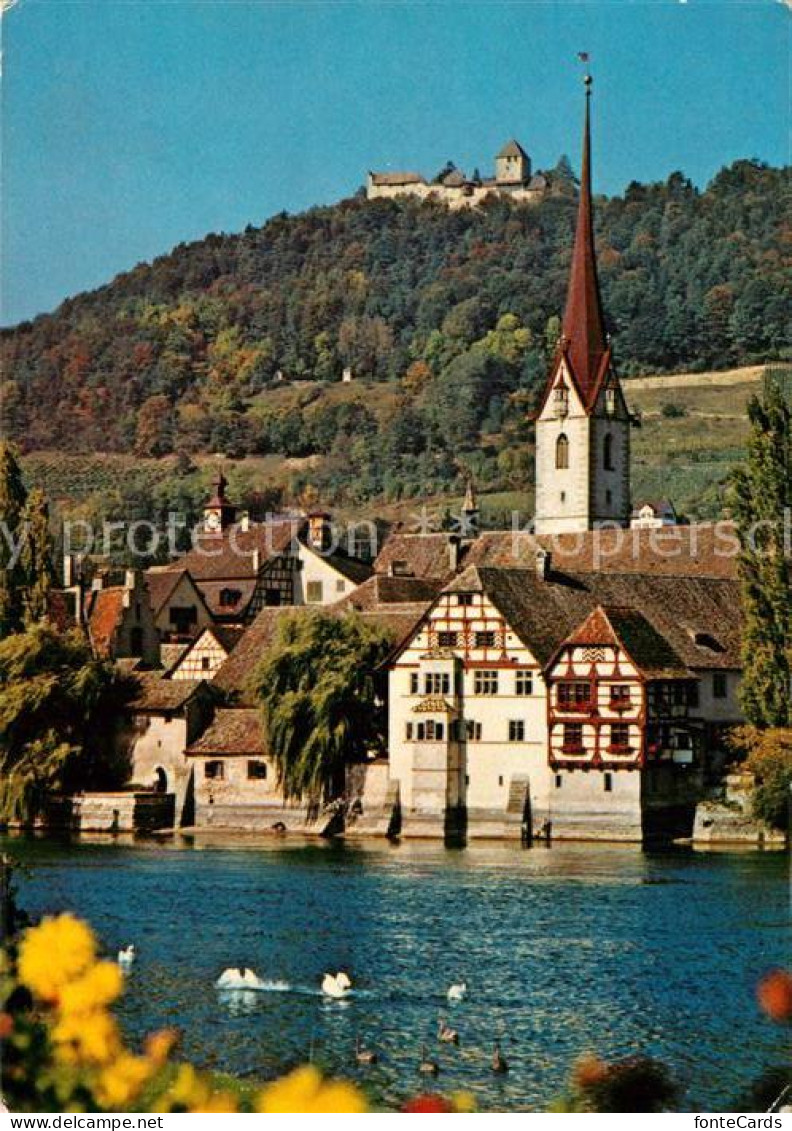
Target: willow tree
{"points": [[56, 701], [762, 493], [317, 687]]}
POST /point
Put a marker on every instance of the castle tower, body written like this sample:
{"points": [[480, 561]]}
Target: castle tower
{"points": [[583, 424], [512, 165], [219, 514]]}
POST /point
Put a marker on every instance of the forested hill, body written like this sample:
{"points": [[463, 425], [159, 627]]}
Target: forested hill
{"points": [[455, 311]]}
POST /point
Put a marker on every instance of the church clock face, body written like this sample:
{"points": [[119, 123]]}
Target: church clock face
{"points": [[213, 521]]}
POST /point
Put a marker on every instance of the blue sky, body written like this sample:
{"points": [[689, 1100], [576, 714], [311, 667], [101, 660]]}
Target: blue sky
{"points": [[131, 126]]}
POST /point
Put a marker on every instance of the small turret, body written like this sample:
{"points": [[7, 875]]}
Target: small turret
{"points": [[470, 511], [219, 514]]}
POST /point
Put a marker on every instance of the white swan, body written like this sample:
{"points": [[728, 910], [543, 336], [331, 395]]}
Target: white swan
{"points": [[127, 956], [336, 985], [457, 992], [235, 979]]}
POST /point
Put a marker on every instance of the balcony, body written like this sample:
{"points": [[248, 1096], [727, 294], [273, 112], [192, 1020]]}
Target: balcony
{"points": [[621, 751], [573, 750]]}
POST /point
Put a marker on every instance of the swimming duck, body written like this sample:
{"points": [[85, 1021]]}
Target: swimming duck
{"points": [[427, 1067], [446, 1034], [499, 1062], [364, 1055]]}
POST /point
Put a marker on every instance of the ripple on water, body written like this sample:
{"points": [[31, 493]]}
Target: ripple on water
{"points": [[577, 948]]}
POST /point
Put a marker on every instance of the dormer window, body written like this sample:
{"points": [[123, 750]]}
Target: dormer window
{"points": [[229, 598]]}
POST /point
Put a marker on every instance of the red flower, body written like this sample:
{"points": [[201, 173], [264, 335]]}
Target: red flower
{"points": [[428, 1103]]}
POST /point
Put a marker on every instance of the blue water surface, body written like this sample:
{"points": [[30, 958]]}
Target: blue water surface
{"points": [[564, 950]]}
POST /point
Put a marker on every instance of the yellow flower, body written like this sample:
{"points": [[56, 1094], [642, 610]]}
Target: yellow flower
{"points": [[218, 1101], [86, 1038], [463, 1101], [121, 1081], [188, 1090], [160, 1045], [54, 953], [304, 1090], [97, 988]]}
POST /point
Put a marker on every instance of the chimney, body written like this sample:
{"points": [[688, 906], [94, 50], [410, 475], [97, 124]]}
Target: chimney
{"points": [[453, 553], [98, 583], [244, 522], [256, 560], [69, 571], [543, 562], [319, 530], [130, 579]]}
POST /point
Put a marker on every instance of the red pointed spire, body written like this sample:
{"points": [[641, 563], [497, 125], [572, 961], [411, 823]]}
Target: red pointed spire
{"points": [[584, 327]]}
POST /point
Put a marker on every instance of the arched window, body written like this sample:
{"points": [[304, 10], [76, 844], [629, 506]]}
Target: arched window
{"points": [[562, 452], [607, 452]]}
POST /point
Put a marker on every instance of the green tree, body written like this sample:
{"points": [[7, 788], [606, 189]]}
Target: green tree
{"points": [[319, 700], [55, 701], [762, 493], [36, 559], [13, 497], [768, 756]]}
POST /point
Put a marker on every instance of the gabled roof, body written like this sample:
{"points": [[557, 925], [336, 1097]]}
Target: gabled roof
{"points": [[226, 635], [415, 555], [383, 590], [512, 148], [353, 569], [234, 731], [629, 629], [162, 582], [232, 554], [659, 616]]}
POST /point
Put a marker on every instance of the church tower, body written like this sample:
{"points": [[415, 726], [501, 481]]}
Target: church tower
{"points": [[583, 424], [219, 513]]}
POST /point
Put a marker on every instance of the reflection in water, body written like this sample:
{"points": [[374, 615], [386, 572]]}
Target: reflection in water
{"points": [[576, 948]]}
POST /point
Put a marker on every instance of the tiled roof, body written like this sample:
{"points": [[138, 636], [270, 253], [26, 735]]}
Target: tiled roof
{"points": [[415, 555], [156, 694], [629, 629], [702, 550], [105, 614], [544, 612], [383, 590], [161, 582], [211, 592], [706, 550], [228, 635], [234, 731], [396, 179], [234, 674], [231, 555]]}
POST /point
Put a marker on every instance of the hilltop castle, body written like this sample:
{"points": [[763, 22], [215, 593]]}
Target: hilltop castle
{"points": [[512, 178]]}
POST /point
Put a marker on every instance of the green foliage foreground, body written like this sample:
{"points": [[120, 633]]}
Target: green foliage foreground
{"points": [[317, 687]]}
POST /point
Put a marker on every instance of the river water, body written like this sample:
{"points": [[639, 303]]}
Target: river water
{"points": [[565, 950]]}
